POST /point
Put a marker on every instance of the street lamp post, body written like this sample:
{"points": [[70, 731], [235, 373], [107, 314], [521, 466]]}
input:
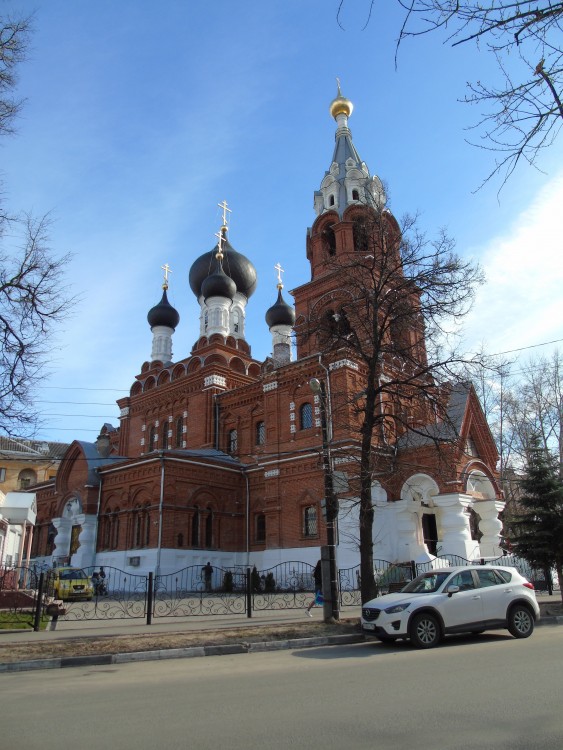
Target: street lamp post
{"points": [[331, 609]]}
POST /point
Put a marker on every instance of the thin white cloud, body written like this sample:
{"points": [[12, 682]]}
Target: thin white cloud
{"points": [[521, 303]]}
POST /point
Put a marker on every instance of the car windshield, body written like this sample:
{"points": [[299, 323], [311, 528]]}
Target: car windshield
{"points": [[72, 575], [427, 583]]}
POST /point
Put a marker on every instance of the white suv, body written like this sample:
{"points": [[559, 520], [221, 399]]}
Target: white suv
{"points": [[454, 600]]}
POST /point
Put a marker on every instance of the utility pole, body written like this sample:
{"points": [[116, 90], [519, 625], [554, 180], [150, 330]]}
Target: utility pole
{"points": [[328, 556]]}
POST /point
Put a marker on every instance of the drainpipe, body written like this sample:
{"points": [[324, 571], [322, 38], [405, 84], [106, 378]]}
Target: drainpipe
{"points": [[245, 475], [328, 401], [97, 516], [216, 421], [160, 507]]}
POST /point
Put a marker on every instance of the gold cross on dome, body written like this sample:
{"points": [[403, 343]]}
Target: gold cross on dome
{"points": [[167, 270], [221, 237], [280, 270], [225, 209]]}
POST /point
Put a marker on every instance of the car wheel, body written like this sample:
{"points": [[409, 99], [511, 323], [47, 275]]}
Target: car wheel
{"points": [[520, 621], [425, 631]]}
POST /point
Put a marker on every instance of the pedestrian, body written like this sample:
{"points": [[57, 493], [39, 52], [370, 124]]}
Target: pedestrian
{"points": [[318, 598], [96, 582], [207, 571]]}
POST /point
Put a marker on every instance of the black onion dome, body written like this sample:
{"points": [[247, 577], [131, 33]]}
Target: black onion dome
{"points": [[163, 314], [218, 284], [235, 265], [280, 314]]}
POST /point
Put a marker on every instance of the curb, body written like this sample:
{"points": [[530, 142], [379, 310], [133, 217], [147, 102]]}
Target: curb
{"points": [[193, 652], [179, 653]]}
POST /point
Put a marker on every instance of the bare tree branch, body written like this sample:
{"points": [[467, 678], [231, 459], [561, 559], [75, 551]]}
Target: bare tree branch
{"points": [[524, 114]]}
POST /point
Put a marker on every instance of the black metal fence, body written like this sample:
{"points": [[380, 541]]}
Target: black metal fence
{"points": [[32, 597]]}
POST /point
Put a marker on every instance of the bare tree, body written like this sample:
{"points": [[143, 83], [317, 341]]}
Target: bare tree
{"points": [[523, 113], [400, 296], [14, 37], [534, 407], [32, 295]]}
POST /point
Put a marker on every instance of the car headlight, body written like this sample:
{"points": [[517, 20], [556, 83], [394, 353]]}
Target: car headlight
{"points": [[397, 608]]}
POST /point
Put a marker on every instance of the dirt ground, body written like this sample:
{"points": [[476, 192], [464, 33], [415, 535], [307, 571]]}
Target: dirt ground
{"points": [[76, 646]]}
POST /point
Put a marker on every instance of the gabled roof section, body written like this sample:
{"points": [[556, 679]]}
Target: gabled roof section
{"points": [[81, 450], [449, 430], [464, 418]]}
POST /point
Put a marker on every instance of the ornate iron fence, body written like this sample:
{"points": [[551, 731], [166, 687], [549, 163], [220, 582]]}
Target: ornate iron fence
{"points": [[349, 586], [19, 595], [114, 595], [287, 585], [194, 591]]}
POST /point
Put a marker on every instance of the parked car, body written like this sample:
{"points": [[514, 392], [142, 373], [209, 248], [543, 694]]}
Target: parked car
{"points": [[71, 583], [467, 599]]}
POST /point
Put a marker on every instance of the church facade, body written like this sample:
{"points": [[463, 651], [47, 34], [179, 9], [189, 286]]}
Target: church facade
{"points": [[219, 457]]}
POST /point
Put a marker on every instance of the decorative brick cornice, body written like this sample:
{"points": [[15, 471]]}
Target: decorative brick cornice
{"points": [[343, 363], [215, 380]]}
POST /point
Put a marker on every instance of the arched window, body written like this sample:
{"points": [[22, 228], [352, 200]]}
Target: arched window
{"points": [[152, 439], [146, 528], [306, 416], [355, 195], [260, 433], [260, 528], [114, 542], [106, 532], [232, 441], [180, 540], [179, 426], [137, 528], [26, 478], [329, 240], [209, 528], [195, 527], [361, 235], [310, 527], [165, 437], [331, 200]]}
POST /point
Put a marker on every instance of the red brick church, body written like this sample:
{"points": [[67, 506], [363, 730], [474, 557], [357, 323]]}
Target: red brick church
{"points": [[218, 456]]}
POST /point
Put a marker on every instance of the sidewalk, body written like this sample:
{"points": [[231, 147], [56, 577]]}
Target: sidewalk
{"points": [[68, 629]]}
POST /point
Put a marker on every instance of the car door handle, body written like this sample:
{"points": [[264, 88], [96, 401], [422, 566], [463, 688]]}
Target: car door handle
{"points": [[476, 596], [508, 591]]}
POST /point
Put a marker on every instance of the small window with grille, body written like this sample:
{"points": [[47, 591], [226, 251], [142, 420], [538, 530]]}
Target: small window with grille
{"points": [[306, 416], [260, 433], [310, 526]]}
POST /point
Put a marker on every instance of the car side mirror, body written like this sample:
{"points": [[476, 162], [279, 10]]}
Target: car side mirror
{"points": [[451, 590]]}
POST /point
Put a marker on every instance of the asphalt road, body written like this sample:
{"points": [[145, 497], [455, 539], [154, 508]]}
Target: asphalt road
{"points": [[489, 692]]}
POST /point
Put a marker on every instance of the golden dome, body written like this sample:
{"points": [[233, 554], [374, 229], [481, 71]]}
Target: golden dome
{"points": [[341, 105]]}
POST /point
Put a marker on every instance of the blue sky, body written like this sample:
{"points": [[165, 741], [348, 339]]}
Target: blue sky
{"points": [[142, 117]]}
